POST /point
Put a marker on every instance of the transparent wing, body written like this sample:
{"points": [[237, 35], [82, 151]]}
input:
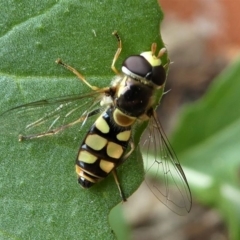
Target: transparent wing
{"points": [[161, 162], [49, 116]]}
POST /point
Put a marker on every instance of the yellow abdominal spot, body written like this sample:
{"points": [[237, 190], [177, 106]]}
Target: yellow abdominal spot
{"points": [[86, 157], [102, 125], [124, 136], [114, 150], [122, 119], [106, 166], [78, 170], [96, 142]]}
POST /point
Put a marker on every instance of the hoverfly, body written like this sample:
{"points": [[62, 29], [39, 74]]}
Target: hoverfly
{"points": [[132, 97]]}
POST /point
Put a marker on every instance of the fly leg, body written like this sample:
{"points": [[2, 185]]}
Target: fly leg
{"points": [[59, 129], [81, 77], [129, 153], [78, 74], [115, 172], [117, 52], [50, 132]]}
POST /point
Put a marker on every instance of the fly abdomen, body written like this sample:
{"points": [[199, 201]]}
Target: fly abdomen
{"points": [[102, 149]]}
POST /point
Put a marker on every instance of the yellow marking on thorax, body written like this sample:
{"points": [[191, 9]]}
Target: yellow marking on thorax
{"points": [[102, 125], [114, 150], [96, 142], [121, 86], [86, 157], [122, 119], [106, 166], [124, 136]]}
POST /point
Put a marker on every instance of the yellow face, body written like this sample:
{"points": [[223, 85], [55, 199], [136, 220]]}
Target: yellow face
{"points": [[152, 59]]}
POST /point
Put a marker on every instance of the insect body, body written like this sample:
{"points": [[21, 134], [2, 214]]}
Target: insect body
{"points": [[102, 149], [132, 96]]}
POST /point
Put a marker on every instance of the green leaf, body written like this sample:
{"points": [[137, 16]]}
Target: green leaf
{"points": [[39, 194], [207, 140]]}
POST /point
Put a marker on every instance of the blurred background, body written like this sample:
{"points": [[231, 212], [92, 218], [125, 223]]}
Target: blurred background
{"points": [[203, 38]]}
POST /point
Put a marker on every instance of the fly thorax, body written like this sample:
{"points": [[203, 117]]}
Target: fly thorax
{"points": [[106, 101], [133, 98]]}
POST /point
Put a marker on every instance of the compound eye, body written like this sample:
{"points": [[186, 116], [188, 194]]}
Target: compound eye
{"points": [[138, 65], [158, 75]]}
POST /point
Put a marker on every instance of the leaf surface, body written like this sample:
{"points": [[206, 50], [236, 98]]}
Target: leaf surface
{"points": [[39, 194]]}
